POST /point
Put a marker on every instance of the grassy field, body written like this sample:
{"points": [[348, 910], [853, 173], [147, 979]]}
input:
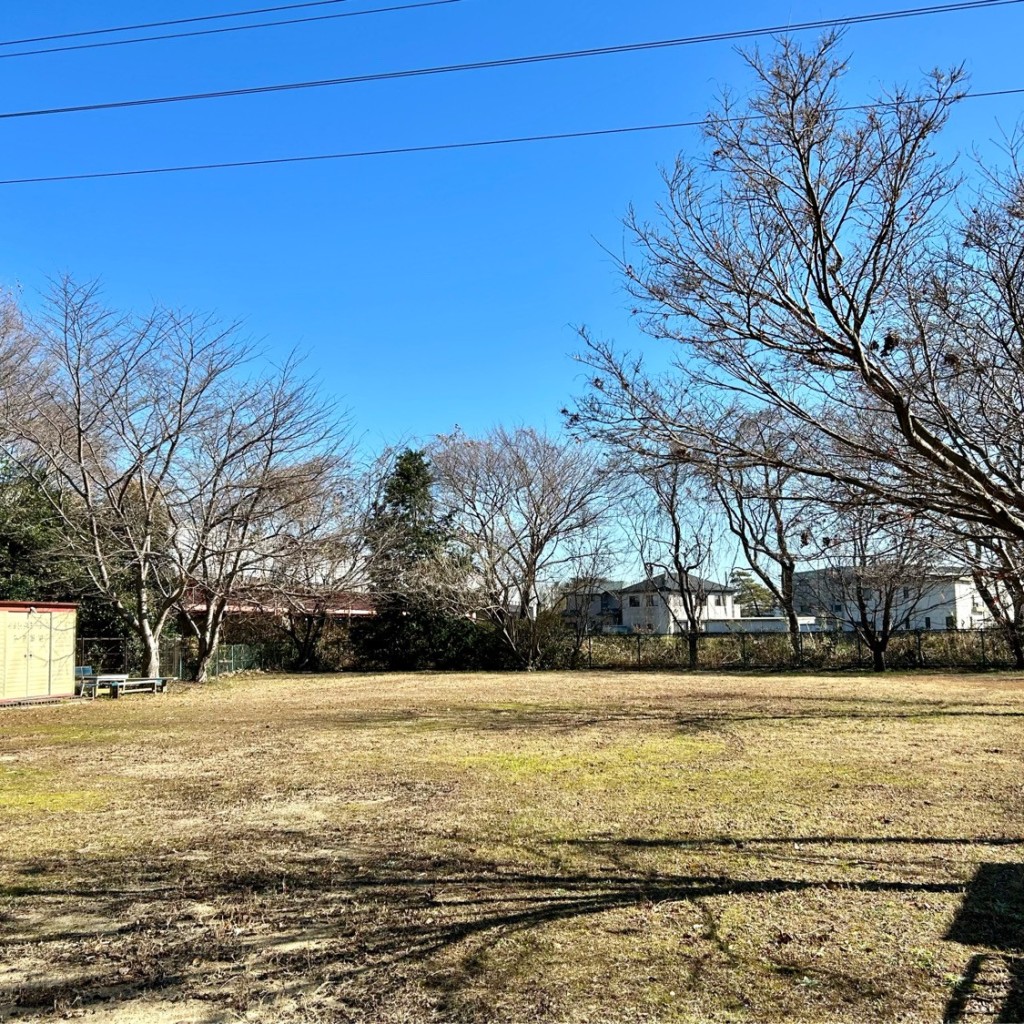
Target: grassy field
{"points": [[573, 848]]}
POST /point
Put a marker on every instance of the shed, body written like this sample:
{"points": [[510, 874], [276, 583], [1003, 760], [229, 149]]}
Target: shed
{"points": [[37, 651]]}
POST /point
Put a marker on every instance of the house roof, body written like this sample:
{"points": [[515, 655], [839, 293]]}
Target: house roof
{"points": [[603, 587], [668, 582], [909, 572]]}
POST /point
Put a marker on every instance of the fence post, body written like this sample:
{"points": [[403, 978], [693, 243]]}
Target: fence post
{"points": [[638, 650], [920, 651]]}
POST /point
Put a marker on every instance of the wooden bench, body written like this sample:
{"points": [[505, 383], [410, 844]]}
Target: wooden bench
{"points": [[153, 684], [91, 685], [115, 683]]}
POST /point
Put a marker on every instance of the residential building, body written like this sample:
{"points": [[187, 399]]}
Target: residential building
{"points": [[935, 599], [594, 606], [656, 605]]}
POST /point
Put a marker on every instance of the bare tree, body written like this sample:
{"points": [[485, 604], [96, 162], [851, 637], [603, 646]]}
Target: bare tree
{"points": [[812, 260], [997, 569], [767, 506], [529, 511], [322, 564], [17, 347], [674, 530], [737, 459], [167, 466], [583, 599], [877, 571], [259, 464]]}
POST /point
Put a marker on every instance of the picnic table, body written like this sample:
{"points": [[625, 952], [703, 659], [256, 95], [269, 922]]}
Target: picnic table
{"points": [[116, 683]]}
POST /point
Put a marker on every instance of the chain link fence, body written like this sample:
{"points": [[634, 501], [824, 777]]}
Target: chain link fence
{"points": [[104, 654], [177, 659], [976, 649], [120, 654], [938, 649]]}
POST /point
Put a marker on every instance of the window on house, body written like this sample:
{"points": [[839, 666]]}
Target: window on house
{"points": [[649, 600], [950, 622], [927, 622], [906, 593], [718, 600], [837, 608], [634, 602]]}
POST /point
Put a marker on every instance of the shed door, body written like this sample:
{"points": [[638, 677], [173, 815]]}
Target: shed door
{"points": [[40, 630], [28, 655]]}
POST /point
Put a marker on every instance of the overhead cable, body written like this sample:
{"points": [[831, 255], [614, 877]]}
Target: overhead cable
{"points": [[433, 148], [227, 28], [860, 19], [172, 22]]}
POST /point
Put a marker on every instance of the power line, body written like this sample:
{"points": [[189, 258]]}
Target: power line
{"points": [[861, 19], [434, 148], [224, 29], [168, 24]]}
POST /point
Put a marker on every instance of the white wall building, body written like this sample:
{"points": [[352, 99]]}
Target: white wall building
{"points": [[656, 605], [933, 600]]}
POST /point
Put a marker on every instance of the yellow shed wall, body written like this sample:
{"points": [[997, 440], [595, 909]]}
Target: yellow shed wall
{"points": [[3, 654], [62, 653], [38, 632], [37, 654]]}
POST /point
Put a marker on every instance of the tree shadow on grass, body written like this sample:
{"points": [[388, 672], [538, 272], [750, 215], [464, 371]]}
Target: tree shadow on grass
{"points": [[738, 708], [357, 932], [991, 916], [753, 842]]}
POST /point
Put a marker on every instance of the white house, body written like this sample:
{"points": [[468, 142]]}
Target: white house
{"points": [[656, 605], [931, 600], [595, 605]]}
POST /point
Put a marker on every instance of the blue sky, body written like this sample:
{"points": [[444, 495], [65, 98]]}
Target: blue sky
{"points": [[427, 290]]}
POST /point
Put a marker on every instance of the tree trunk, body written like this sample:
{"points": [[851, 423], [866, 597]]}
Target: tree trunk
{"points": [[151, 650], [1016, 644], [789, 608], [206, 650], [208, 641], [305, 636], [877, 657], [208, 637], [692, 649]]}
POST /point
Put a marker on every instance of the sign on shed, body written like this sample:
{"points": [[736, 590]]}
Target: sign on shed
{"points": [[37, 651]]}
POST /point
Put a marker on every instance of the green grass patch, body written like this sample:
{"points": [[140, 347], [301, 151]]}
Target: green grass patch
{"points": [[25, 791]]}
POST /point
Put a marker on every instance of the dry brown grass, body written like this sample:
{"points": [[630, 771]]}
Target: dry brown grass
{"points": [[575, 848]]}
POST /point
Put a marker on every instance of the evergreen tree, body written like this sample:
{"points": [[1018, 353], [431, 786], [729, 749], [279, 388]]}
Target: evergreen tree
{"points": [[408, 542], [754, 597], [405, 535], [28, 540], [34, 560]]}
